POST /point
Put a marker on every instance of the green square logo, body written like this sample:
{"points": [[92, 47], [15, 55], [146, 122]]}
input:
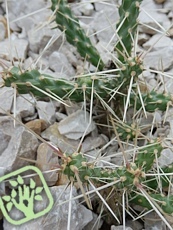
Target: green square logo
{"points": [[24, 196]]}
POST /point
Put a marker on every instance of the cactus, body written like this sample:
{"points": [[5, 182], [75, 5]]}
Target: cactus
{"points": [[75, 35], [75, 166]]}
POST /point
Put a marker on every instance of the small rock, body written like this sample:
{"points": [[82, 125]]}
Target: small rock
{"points": [[107, 20], [153, 221], [6, 99], [5, 138], [76, 125], [160, 1], [95, 224], [37, 125], [47, 160], [60, 116], [157, 42], [166, 158], [17, 51], [52, 134], [21, 144], [161, 58], [149, 22], [24, 106], [59, 63], [38, 39], [94, 143], [86, 8], [46, 111]]}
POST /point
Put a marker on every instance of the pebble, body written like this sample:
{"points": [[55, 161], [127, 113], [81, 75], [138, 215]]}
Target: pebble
{"points": [[17, 51], [24, 106], [37, 125], [47, 160], [59, 63], [46, 111], [18, 142], [76, 125]]}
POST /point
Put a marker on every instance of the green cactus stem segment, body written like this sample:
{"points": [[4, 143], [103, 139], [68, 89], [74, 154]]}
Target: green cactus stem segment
{"points": [[75, 35], [127, 26], [76, 162], [155, 101], [36, 83], [146, 156], [165, 202]]}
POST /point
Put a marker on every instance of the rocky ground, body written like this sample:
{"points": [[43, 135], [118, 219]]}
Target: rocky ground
{"points": [[34, 44]]}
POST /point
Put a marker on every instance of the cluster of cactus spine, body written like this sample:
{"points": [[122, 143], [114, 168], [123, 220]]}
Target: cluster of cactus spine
{"points": [[32, 81]]}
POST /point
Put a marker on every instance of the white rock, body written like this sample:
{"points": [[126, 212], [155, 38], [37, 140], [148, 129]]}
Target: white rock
{"points": [[107, 6], [159, 59], [76, 125], [60, 116], [103, 24], [166, 158], [86, 7], [46, 111], [6, 99], [24, 106], [157, 42], [60, 64], [38, 39], [21, 144], [17, 51], [154, 15]]}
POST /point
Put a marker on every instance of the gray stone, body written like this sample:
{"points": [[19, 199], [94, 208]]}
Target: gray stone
{"points": [[17, 51], [153, 222], [21, 143], [47, 160], [153, 10], [25, 106], [76, 125], [6, 99], [38, 39], [60, 116], [57, 218], [86, 8], [165, 158], [46, 111], [162, 58], [157, 42], [59, 63], [103, 24], [52, 134]]}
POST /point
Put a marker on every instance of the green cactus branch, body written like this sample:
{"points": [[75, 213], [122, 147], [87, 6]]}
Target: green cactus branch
{"points": [[126, 28], [75, 35]]}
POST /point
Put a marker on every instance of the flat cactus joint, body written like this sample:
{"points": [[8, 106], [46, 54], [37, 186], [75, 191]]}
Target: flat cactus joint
{"points": [[75, 35], [127, 26], [154, 101], [146, 156]]}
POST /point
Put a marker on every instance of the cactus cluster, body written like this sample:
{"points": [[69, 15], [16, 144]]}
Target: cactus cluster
{"points": [[132, 175]]}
